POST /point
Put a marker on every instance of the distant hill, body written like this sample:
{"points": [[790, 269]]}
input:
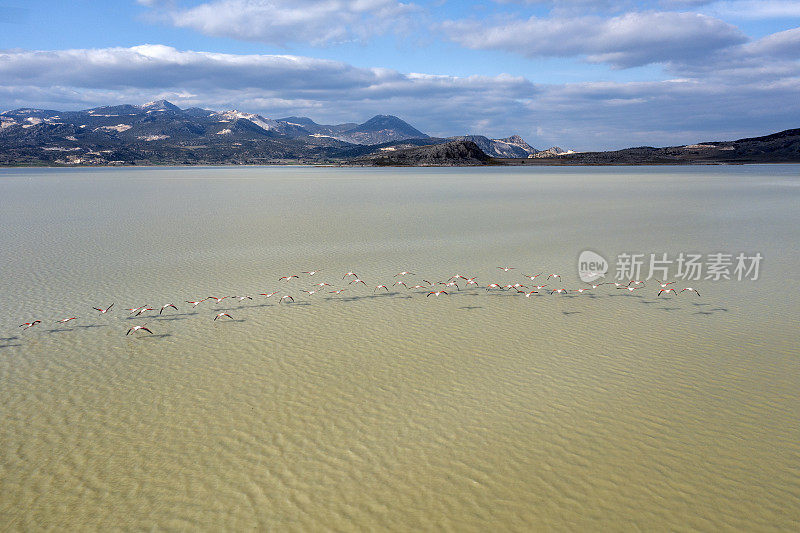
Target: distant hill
{"points": [[452, 153], [380, 129], [514, 146], [781, 147]]}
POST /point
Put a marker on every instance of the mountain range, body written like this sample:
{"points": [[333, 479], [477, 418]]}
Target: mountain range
{"points": [[162, 133]]}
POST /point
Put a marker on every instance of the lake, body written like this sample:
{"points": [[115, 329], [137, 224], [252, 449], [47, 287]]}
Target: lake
{"points": [[371, 409]]}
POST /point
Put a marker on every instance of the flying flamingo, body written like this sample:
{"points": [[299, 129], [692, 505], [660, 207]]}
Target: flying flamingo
{"points": [[506, 269], [450, 284], [629, 289], [195, 303], [311, 292], [673, 291], [403, 273], [528, 294], [285, 297], [143, 327], [554, 276], [103, 311], [288, 278], [338, 291], [166, 306], [691, 289], [664, 283], [494, 286], [268, 295], [65, 320], [323, 284], [582, 290], [436, 293], [358, 281], [27, 325], [350, 274], [218, 300], [534, 276], [380, 287], [400, 283], [220, 315], [559, 291], [310, 272]]}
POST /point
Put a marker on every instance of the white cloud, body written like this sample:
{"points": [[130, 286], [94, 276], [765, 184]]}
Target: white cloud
{"points": [[628, 40], [755, 9], [280, 22], [733, 98]]}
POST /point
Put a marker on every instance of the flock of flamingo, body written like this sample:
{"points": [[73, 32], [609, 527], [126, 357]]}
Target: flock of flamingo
{"points": [[431, 289]]}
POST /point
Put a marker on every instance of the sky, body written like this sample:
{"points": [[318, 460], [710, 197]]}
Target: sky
{"points": [[579, 74]]}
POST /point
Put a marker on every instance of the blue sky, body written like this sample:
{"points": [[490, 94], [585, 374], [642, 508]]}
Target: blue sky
{"points": [[575, 73]]}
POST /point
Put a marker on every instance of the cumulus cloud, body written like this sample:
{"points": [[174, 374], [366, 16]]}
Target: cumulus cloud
{"points": [[280, 22], [274, 85], [732, 99], [627, 40]]}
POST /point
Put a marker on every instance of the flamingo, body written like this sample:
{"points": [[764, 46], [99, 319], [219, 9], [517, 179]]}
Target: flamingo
{"points": [[582, 290], [494, 286], [664, 283], [350, 274], [268, 295], [403, 273], [673, 291], [323, 284], [27, 325], [218, 300], [436, 293], [310, 272], [65, 320], [143, 327], [103, 311], [559, 291], [311, 292], [691, 289], [400, 283], [450, 284], [506, 269], [166, 306], [629, 289], [533, 277], [539, 287], [285, 297], [288, 278], [358, 281], [554, 276], [338, 291], [528, 294], [380, 287], [220, 315], [242, 298], [194, 303], [636, 282]]}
